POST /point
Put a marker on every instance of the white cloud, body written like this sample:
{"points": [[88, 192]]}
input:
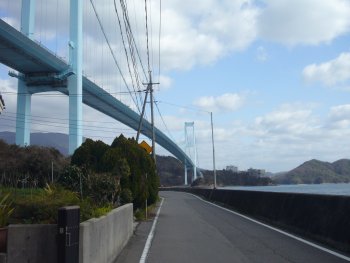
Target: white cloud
{"points": [[261, 54], [340, 112], [292, 120], [331, 73], [197, 33], [308, 22], [225, 102]]}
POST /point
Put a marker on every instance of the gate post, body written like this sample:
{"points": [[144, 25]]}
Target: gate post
{"points": [[68, 234]]}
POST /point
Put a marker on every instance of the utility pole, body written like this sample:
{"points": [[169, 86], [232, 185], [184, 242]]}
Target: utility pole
{"points": [[152, 118], [142, 114], [212, 140], [150, 90]]}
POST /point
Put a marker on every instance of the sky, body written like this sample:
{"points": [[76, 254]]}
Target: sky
{"points": [[274, 73]]}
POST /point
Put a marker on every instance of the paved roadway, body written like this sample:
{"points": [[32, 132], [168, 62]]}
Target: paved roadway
{"points": [[190, 230]]}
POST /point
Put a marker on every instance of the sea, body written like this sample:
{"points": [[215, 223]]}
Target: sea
{"points": [[325, 189]]}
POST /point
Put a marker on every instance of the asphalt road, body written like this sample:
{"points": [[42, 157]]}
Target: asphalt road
{"points": [[190, 230]]}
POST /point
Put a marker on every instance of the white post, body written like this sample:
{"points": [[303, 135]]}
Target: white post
{"points": [[195, 156], [212, 139], [186, 172]]}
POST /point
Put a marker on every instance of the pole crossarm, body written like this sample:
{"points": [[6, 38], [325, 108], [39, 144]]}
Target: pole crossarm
{"points": [[27, 57]]}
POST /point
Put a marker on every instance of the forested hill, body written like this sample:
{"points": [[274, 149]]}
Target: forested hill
{"points": [[317, 172], [170, 171], [58, 141]]}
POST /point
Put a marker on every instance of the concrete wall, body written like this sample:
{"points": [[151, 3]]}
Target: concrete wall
{"points": [[105, 237], [322, 218], [31, 243], [101, 240]]}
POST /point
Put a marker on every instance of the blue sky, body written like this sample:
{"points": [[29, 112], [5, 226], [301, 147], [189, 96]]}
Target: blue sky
{"points": [[275, 74]]}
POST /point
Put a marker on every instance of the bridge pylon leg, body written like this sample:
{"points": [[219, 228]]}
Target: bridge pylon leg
{"points": [[24, 98], [75, 81], [23, 118]]}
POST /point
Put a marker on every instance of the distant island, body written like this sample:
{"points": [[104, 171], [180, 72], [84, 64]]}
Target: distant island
{"points": [[316, 172]]}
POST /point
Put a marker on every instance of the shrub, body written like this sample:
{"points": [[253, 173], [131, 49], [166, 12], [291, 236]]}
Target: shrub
{"points": [[103, 188], [73, 179], [42, 207], [125, 196]]}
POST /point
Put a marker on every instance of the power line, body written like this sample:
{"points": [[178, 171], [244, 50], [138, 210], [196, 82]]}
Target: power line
{"points": [[113, 55], [132, 44], [65, 124], [72, 94], [62, 125], [184, 107], [149, 67], [166, 127], [65, 119], [160, 30], [126, 53], [46, 131]]}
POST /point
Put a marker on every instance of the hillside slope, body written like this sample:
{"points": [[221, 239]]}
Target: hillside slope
{"points": [[317, 172], [170, 171]]}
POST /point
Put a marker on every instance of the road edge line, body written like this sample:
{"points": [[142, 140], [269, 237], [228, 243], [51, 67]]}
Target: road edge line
{"points": [[277, 230], [150, 236]]}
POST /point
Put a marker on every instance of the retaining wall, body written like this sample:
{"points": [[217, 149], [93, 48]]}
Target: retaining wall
{"points": [[103, 238], [100, 240], [31, 243], [322, 218]]}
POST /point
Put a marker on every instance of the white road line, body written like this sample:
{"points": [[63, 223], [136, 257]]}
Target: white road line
{"points": [[150, 236], [277, 230]]}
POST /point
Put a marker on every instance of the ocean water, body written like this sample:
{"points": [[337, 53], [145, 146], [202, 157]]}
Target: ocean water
{"points": [[326, 189]]}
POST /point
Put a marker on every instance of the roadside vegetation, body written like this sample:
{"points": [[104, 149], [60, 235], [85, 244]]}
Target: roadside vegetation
{"points": [[98, 177]]}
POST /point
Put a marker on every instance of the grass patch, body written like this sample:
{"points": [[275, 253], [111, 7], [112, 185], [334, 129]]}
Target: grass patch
{"points": [[140, 214]]}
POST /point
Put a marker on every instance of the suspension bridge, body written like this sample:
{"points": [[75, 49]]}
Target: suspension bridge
{"points": [[39, 70]]}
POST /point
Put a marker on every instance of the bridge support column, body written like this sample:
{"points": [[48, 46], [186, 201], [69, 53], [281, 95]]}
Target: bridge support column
{"points": [[23, 115], [75, 82], [24, 98]]}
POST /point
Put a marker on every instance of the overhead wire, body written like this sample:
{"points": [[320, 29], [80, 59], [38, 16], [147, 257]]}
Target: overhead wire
{"points": [[148, 59], [41, 120], [73, 94], [166, 127], [64, 125], [125, 50], [113, 55], [132, 45], [56, 118], [45, 131], [160, 31]]}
